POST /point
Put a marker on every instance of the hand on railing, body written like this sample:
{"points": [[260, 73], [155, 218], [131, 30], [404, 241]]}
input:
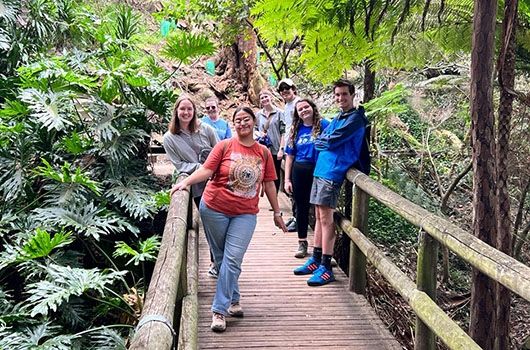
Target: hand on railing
{"points": [[178, 187]]}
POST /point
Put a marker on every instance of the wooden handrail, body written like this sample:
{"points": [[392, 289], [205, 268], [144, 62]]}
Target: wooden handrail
{"points": [[504, 269], [432, 320], [434, 317], [170, 283]]}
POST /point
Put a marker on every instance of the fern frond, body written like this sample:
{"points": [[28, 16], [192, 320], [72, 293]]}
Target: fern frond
{"points": [[183, 46], [64, 282], [390, 102]]}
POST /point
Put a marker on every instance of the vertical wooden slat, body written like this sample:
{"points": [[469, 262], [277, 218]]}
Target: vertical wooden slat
{"points": [[426, 282], [357, 278]]}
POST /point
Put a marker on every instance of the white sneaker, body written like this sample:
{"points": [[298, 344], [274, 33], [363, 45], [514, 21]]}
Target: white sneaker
{"points": [[212, 271], [218, 322]]}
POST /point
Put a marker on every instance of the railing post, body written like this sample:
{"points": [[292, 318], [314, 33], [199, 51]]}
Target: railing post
{"points": [[426, 282], [357, 268]]}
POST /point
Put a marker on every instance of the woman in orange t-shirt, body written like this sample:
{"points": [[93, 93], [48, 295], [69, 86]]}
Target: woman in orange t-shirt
{"points": [[237, 168]]}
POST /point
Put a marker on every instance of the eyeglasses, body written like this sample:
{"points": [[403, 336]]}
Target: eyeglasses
{"points": [[211, 108], [241, 121], [284, 88]]}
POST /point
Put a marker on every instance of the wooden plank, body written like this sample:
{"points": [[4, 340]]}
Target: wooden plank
{"points": [[281, 311]]}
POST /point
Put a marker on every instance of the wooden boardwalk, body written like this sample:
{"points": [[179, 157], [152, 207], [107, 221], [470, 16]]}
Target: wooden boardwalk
{"points": [[281, 311]]}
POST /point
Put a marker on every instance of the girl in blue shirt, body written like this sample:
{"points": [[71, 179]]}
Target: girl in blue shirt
{"points": [[300, 163]]}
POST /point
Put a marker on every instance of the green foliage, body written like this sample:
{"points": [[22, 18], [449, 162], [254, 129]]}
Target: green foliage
{"points": [[388, 228], [88, 219], [41, 243], [41, 337], [147, 250], [51, 109], [127, 23], [183, 46], [390, 102], [64, 282], [68, 175], [134, 196]]}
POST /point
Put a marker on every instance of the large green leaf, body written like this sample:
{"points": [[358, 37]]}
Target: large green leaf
{"points": [[64, 282], [51, 109], [89, 220], [183, 46], [41, 244]]}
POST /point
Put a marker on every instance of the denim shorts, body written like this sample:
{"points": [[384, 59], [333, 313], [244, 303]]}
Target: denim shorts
{"points": [[325, 192]]}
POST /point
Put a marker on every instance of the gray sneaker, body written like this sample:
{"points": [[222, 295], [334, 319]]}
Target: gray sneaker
{"points": [[235, 310], [302, 250]]}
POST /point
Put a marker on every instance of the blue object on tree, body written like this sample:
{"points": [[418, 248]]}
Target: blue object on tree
{"points": [[210, 67], [272, 80], [166, 26]]}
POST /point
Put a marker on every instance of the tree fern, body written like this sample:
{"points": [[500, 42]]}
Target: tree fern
{"points": [[64, 282]]}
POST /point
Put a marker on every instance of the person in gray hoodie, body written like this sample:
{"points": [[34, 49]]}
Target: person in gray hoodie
{"points": [[188, 142]]}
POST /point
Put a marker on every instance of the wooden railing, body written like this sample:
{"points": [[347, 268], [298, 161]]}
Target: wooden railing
{"points": [[431, 319], [171, 298]]}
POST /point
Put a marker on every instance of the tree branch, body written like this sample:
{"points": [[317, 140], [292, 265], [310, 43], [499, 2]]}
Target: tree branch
{"points": [[451, 188]]}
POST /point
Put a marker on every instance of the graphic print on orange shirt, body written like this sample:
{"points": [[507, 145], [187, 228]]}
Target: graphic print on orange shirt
{"points": [[245, 175]]}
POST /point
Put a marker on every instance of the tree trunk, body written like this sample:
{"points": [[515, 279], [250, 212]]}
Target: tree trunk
{"points": [[369, 82], [482, 126], [506, 68], [239, 63]]}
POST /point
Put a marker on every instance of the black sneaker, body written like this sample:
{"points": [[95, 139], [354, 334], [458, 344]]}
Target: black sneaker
{"points": [[292, 227]]}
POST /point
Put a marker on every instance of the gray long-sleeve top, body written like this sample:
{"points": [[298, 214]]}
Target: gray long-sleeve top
{"points": [[187, 151], [276, 127]]}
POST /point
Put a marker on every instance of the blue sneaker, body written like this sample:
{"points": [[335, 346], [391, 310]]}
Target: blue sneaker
{"points": [[308, 268], [321, 277]]}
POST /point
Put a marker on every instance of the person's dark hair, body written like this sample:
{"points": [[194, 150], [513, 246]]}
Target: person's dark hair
{"points": [[174, 123], [297, 121], [246, 110], [344, 82]]}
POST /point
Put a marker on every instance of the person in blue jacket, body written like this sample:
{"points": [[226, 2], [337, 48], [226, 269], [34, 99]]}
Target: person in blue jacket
{"points": [[213, 119], [342, 145], [300, 164]]}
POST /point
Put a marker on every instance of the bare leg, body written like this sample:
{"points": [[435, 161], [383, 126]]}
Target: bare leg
{"points": [[318, 228], [327, 227]]}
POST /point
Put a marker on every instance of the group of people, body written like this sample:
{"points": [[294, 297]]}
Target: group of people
{"points": [[226, 174]]}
